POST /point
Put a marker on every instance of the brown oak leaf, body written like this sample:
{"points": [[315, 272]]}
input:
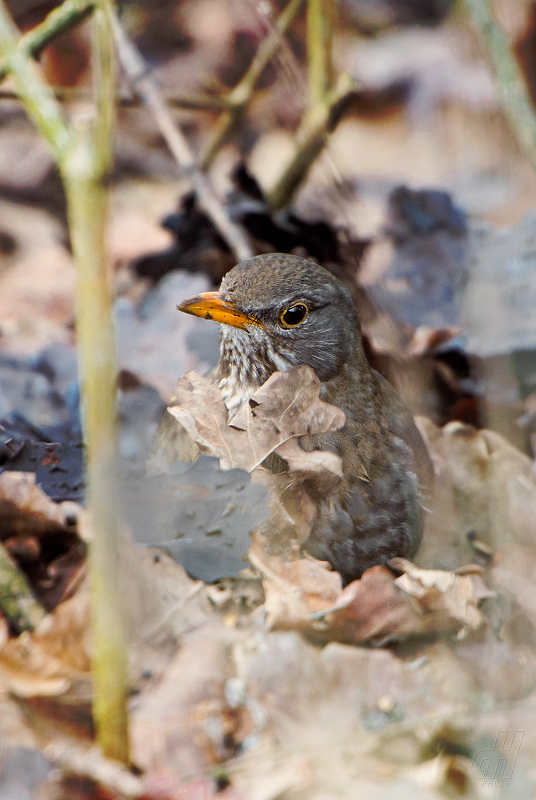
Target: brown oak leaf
{"points": [[285, 407]]}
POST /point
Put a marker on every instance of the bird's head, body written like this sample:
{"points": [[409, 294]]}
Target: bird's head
{"points": [[284, 311]]}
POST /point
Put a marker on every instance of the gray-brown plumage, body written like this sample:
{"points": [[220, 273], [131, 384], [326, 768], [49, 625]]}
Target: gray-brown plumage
{"points": [[281, 311]]}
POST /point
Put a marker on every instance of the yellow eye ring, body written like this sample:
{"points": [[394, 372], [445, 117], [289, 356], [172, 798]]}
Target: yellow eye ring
{"points": [[294, 316]]}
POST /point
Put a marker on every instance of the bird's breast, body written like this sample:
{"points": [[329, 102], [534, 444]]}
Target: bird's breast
{"points": [[245, 364], [235, 392]]}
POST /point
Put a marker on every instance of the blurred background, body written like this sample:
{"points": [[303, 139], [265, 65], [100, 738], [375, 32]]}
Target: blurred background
{"points": [[412, 188]]}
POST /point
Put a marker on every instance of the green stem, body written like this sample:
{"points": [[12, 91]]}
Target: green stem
{"points": [[319, 48], [104, 79], [85, 172], [87, 209], [70, 14], [17, 603], [83, 153], [37, 98], [514, 95]]}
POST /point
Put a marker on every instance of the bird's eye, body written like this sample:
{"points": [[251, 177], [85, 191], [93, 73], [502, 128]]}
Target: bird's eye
{"points": [[292, 316]]}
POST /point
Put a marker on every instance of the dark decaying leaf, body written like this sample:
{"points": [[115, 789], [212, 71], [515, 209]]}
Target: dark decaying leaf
{"points": [[58, 468], [25, 508], [40, 536], [39, 394], [426, 276], [198, 247], [200, 513]]}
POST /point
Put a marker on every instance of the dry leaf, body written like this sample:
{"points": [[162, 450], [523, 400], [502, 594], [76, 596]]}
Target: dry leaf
{"points": [[88, 762], [24, 507], [316, 462], [180, 721], [286, 406], [54, 660], [438, 590], [484, 486], [374, 610], [201, 410], [306, 596], [294, 589], [513, 572]]}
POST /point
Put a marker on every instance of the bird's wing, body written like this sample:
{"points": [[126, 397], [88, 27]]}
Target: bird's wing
{"points": [[403, 426]]}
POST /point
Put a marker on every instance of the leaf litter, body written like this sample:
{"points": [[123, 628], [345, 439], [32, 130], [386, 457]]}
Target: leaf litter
{"points": [[218, 701], [256, 680]]}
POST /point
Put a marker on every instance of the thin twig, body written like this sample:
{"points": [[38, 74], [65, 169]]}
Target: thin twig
{"points": [[136, 70], [243, 91], [310, 140], [189, 102], [70, 14], [513, 91], [17, 603]]}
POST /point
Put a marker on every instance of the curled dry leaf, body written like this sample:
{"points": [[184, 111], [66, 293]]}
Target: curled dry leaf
{"points": [[456, 595], [54, 660], [373, 610], [294, 589], [286, 406], [101, 775], [304, 595], [513, 572], [24, 507], [484, 487], [322, 464]]}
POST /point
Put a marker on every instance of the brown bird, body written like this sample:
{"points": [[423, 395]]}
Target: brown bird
{"points": [[279, 312]]}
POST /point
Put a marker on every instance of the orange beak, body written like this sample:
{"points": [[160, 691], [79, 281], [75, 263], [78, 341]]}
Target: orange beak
{"points": [[212, 305]]}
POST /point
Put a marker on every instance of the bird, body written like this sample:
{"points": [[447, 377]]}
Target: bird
{"points": [[278, 312]]}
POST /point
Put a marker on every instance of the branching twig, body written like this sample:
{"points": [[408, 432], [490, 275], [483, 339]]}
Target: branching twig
{"points": [[514, 95], [310, 141], [17, 603], [70, 14], [324, 97], [243, 91], [35, 95], [190, 102], [136, 70]]}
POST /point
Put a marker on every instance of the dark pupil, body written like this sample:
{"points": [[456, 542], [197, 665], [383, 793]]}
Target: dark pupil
{"points": [[294, 315]]}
